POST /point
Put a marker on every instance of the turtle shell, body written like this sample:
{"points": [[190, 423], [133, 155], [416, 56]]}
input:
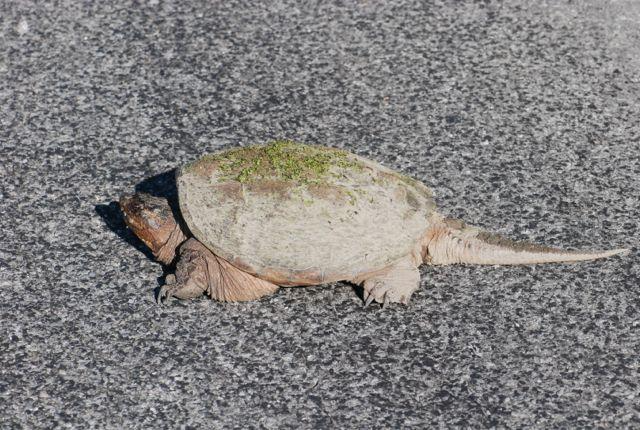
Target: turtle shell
{"points": [[297, 214]]}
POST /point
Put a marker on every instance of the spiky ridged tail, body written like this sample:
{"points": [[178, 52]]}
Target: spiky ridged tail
{"points": [[451, 241]]}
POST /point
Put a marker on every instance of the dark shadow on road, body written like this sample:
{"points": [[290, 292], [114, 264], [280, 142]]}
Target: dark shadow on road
{"points": [[112, 216]]}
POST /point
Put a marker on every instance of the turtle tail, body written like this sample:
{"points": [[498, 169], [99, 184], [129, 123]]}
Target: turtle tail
{"points": [[451, 241]]}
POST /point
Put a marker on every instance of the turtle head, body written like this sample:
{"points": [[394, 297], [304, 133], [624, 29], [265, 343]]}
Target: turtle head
{"points": [[151, 220]]}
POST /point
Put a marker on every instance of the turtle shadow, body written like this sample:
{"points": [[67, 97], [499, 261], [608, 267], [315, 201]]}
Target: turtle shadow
{"points": [[358, 289], [161, 185], [112, 216]]}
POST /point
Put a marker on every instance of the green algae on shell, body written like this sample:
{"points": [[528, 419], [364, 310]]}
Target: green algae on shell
{"points": [[281, 160]]}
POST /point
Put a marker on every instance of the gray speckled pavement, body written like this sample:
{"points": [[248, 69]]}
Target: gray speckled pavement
{"points": [[523, 118]]}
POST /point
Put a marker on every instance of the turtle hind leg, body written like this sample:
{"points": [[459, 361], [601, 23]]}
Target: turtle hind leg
{"points": [[199, 271], [393, 285]]}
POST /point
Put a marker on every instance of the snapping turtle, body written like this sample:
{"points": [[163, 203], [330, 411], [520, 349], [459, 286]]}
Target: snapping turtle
{"points": [[255, 218]]}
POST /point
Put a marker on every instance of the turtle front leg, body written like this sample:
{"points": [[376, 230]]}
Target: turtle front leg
{"points": [[395, 284], [199, 271]]}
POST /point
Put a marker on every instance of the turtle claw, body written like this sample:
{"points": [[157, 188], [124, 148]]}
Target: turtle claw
{"points": [[378, 293], [385, 300], [368, 300], [161, 294], [166, 291], [394, 286]]}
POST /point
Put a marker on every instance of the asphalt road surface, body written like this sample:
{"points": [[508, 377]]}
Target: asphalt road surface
{"points": [[523, 117]]}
